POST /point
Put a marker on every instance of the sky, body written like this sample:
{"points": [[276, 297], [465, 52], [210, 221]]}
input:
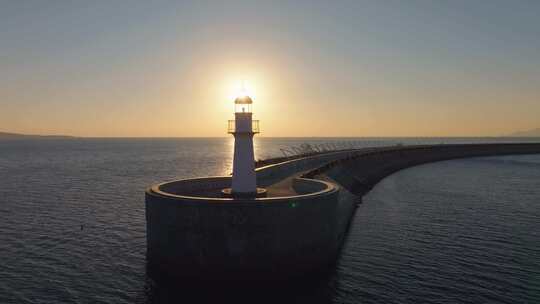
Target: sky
{"points": [[316, 68]]}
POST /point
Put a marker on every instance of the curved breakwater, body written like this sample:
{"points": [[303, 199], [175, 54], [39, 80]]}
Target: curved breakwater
{"points": [[202, 237], [359, 172]]}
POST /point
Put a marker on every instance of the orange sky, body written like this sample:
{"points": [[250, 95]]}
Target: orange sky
{"points": [[105, 70]]}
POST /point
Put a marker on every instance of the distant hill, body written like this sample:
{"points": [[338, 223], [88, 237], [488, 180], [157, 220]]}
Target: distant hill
{"points": [[528, 133], [4, 135]]}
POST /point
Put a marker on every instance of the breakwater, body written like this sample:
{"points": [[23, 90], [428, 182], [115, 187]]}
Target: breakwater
{"points": [[360, 171], [194, 234]]}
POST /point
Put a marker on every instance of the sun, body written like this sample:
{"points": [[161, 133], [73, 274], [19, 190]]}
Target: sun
{"points": [[242, 88]]}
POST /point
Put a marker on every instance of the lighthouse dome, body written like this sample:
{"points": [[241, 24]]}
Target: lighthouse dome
{"points": [[243, 100]]}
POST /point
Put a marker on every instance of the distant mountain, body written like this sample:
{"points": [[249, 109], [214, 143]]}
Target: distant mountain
{"points": [[4, 135], [528, 133]]}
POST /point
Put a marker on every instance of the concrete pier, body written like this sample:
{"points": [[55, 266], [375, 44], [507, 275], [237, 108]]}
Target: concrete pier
{"points": [[359, 172], [196, 234]]}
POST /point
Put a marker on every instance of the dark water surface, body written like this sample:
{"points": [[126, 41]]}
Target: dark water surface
{"points": [[72, 226]]}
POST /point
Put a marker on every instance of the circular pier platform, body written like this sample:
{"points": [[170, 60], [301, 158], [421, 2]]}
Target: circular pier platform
{"points": [[195, 233]]}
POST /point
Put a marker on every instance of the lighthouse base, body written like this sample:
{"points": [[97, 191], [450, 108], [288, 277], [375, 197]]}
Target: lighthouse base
{"points": [[196, 235], [227, 192]]}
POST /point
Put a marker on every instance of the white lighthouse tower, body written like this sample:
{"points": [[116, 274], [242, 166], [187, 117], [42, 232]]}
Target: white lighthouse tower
{"points": [[243, 128]]}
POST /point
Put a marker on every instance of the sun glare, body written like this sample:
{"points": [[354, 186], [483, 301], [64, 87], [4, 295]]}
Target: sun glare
{"points": [[238, 86], [242, 88]]}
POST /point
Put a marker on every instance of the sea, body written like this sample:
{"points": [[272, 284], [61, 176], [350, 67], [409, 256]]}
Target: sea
{"points": [[72, 224]]}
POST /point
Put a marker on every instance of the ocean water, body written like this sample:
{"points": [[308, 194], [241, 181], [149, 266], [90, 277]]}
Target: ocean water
{"points": [[72, 227]]}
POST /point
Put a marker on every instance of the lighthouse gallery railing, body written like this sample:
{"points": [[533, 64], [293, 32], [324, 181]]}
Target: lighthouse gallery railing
{"points": [[254, 126]]}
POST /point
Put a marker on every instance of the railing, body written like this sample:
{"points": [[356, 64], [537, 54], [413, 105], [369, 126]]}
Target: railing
{"points": [[254, 126]]}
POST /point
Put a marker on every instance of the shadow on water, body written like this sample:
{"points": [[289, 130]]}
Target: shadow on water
{"points": [[312, 289]]}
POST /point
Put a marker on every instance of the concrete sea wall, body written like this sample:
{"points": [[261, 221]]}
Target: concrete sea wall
{"points": [[222, 239], [270, 174], [194, 236], [358, 173]]}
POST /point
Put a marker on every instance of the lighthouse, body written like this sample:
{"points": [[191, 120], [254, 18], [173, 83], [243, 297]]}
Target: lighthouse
{"points": [[243, 128]]}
